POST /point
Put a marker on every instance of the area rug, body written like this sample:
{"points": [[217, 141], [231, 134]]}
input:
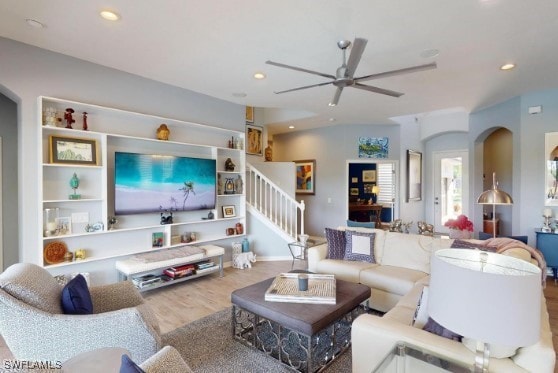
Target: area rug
{"points": [[208, 347]]}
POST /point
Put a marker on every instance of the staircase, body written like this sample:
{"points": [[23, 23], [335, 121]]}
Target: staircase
{"points": [[276, 209]]}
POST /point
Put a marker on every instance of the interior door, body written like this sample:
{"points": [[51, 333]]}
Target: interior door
{"points": [[451, 191]]}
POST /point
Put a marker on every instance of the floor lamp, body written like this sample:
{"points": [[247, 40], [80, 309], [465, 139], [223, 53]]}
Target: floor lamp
{"points": [[494, 197]]}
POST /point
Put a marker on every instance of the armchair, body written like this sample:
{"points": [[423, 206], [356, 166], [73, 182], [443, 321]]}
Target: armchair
{"points": [[34, 327]]}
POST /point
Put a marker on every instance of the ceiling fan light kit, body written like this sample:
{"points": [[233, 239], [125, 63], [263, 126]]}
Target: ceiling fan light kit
{"points": [[344, 75]]}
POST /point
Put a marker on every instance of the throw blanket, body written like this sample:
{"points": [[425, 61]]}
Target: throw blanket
{"points": [[502, 244], [179, 252]]}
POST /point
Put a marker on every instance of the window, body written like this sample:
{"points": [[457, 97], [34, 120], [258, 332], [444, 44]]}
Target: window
{"points": [[386, 182]]}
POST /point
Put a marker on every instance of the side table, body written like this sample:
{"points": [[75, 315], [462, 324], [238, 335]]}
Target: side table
{"points": [[404, 357], [299, 250]]}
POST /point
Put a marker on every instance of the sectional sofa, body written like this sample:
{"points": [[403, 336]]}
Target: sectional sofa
{"points": [[398, 273]]}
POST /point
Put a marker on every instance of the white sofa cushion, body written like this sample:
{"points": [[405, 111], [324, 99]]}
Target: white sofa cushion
{"points": [[411, 251], [396, 280], [342, 269]]}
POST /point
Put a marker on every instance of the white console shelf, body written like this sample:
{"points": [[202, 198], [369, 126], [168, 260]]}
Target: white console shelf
{"points": [[114, 130]]}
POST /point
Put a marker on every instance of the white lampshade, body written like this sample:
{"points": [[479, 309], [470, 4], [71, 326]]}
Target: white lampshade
{"points": [[488, 297]]}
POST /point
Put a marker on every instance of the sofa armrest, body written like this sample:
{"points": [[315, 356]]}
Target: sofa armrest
{"points": [[116, 296], [373, 338], [315, 254]]}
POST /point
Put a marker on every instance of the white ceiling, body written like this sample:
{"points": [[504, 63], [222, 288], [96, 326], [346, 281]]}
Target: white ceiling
{"points": [[214, 47]]}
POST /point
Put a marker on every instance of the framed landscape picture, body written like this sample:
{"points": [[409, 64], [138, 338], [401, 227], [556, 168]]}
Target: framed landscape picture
{"points": [[305, 176], [69, 150]]}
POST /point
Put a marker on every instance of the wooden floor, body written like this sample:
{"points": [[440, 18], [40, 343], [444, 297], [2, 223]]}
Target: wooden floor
{"points": [[180, 304]]}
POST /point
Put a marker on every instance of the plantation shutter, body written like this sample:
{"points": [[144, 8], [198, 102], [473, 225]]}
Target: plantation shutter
{"points": [[386, 183]]}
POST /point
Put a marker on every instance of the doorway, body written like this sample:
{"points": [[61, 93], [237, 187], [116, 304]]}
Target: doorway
{"points": [[451, 191]]}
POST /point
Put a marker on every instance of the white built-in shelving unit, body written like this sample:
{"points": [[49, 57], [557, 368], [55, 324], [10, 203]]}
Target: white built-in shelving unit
{"points": [[119, 130]]}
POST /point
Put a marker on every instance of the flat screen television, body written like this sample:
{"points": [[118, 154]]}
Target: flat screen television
{"points": [[147, 183]]}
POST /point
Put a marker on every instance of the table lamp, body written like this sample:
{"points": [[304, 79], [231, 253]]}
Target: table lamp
{"points": [[494, 197], [488, 297], [375, 192]]}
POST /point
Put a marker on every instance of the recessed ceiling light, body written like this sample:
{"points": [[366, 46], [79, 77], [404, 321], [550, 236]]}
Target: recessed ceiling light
{"points": [[259, 75], [430, 53], [109, 15], [332, 119], [34, 23], [507, 66], [239, 94], [332, 104], [291, 126]]}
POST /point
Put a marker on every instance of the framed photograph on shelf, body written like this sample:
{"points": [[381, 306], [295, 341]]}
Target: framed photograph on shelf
{"points": [[157, 239], [254, 140], [63, 225], [229, 211], [249, 114], [305, 176], [414, 175], [369, 176], [70, 150]]}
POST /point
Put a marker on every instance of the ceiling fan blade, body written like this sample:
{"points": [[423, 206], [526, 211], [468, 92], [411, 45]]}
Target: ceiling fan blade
{"points": [[299, 69], [356, 53], [377, 90], [336, 96], [306, 86], [406, 70]]}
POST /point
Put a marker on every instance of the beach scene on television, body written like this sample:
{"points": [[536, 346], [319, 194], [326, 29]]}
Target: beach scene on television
{"points": [[147, 183]]}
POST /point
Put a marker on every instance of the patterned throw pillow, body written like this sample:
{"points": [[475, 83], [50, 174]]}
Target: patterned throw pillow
{"points": [[435, 328], [359, 246], [335, 243]]}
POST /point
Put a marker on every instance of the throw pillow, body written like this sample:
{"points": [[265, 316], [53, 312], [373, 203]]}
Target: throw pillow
{"points": [[421, 313], [76, 299], [128, 366], [355, 224], [479, 245], [359, 246], [335, 243], [435, 328]]}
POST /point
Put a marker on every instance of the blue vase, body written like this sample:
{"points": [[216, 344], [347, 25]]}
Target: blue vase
{"points": [[245, 245]]}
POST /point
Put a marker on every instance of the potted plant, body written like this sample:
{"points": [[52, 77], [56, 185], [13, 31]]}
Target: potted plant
{"points": [[461, 227]]}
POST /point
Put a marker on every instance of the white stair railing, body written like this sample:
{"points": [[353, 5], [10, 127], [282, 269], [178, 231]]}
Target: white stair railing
{"points": [[270, 201]]}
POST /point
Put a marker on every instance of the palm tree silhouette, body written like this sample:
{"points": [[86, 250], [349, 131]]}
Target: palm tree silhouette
{"points": [[187, 188]]}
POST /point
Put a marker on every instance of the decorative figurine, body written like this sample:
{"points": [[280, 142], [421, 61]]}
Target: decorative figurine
{"points": [[425, 229], [68, 117], [219, 184], [80, 254], [85, 121], [239, 228], [166, 219], [163, 132], [396, 226], [210, 215], [50, 117], [269, 152], [547, 215], [112, 221], [238, 185], [229, 165], [74, 183]]}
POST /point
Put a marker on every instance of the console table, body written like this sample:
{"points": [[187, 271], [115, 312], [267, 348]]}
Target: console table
{"points": [[547, 243], [374, 211]]}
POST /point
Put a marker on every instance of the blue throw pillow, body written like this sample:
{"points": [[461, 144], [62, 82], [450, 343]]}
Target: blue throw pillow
{"points": [[359, 246], [335, 243], [128, 366], [76, 299], [368, 224]]}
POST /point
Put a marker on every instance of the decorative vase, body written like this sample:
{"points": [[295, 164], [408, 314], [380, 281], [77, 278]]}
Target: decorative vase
{"points": [[459, 234]]}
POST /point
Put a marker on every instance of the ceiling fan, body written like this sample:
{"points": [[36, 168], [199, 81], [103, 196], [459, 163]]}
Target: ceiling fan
{"points": [[344, 76]]}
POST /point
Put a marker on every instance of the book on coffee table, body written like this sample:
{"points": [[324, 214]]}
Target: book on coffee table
{"points": [[284, 288]]}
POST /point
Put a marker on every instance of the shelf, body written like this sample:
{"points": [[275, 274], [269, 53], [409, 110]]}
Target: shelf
{"points": [[71, 166], [178, 280], [72, 200]]}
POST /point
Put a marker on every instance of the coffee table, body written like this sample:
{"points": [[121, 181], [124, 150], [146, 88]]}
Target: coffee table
{"points": [[306, 337]]}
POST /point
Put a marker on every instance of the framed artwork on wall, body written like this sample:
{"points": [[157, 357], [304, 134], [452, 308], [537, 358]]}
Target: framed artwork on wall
{"points": [[373, 147], [305, 176], [414, 175], [70, 150], [354, 191], [254, 140], [551, 166], [249, 114], [369, 176]]}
